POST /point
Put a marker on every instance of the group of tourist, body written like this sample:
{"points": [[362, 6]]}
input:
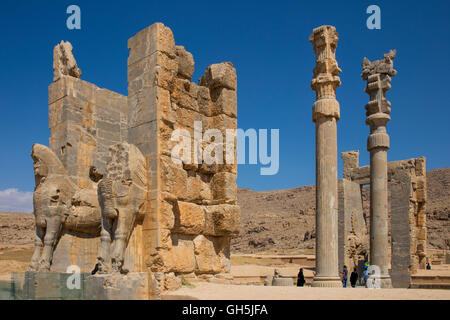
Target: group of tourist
{"points": [[353, 277]]}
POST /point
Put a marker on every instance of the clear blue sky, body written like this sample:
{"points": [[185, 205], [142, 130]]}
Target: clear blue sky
{"points": [[267, 43]]}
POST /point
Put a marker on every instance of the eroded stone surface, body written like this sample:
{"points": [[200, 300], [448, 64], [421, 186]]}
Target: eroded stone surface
{"points": [[63, 61]]}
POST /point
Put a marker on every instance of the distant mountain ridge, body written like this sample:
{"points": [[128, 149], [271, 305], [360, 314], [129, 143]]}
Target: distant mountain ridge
{"points": [[284, 220]]}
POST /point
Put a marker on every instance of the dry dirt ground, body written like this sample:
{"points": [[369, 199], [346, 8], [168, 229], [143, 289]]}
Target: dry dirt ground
{"points": [[211, 291]]}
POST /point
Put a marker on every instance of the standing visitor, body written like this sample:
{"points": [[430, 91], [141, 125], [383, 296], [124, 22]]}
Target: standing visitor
{"points": [[354, 278], [344, 277], [300, 278]]}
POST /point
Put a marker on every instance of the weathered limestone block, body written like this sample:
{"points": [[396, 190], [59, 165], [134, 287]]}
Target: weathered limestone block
{"points": [[173, 179], [166, 216], [63, 61], [158, 69], [198, 189], [225, 102], [351, 161], [222, 220], [180, 258], [220, 75], [185, 63], [185, 94], [186, 120], [148, 98], [189, 218], [223, 122], [421, 191], [171, 282], [223, 185], [156, 37], [204, 101], [208, 260]]}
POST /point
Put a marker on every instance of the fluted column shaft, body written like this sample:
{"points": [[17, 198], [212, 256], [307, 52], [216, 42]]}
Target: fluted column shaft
{"points": [[325, 116], [377, 74]]}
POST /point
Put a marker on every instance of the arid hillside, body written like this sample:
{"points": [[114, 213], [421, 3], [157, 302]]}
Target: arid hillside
{"points": [[283, 220]]}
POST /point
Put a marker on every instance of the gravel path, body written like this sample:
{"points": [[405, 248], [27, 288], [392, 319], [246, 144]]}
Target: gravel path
{"points": [[211, 291]]}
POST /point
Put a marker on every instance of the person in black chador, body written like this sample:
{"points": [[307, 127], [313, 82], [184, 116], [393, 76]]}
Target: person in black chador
{"points": [[95, 269], [354, 278], [300, 278]]}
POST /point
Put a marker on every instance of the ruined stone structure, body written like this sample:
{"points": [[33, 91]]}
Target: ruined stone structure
{"points": [[407, 189], [158, 212], [325, 116], [378, 76]]}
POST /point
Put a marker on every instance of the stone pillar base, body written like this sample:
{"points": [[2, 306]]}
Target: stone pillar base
{"points": [[385, 282], [326, 282]]}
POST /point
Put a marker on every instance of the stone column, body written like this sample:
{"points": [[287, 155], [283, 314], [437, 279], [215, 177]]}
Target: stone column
{"points": [[378, 76], [325, 115]]}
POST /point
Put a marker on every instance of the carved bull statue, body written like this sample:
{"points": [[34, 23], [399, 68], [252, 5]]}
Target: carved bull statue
{"points": [[59, 204], [122, 194]]}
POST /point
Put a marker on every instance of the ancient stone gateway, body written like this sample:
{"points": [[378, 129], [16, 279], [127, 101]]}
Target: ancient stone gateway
{"points": [[325, 116], [160, 216], [407, 189]]}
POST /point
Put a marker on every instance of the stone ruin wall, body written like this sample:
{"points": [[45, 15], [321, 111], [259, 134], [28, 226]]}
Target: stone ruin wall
{"points": [[194, 207], [407, 188], [192, 210]]}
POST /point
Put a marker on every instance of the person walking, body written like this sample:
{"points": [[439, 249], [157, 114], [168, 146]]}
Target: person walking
{"points": [[300, 278], [354, 278], [344, 277]]}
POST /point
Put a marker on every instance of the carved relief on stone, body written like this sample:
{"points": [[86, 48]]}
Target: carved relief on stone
{"points": [[122, 194], [59, 205], [64, 63]]}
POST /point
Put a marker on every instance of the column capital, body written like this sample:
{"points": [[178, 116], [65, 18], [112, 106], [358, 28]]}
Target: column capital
{"points": [[325, 80], [378, 76]]}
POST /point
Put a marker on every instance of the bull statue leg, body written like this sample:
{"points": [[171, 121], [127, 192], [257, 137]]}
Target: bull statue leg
{"points": [[50, 239], [125, 222], [38, 244], [105, 245]]}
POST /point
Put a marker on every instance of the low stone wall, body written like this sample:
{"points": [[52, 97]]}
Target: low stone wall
{"points": [[61, 286]]}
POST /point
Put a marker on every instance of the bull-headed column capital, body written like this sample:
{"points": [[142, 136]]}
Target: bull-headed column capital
{"points": [[325, 80]]}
